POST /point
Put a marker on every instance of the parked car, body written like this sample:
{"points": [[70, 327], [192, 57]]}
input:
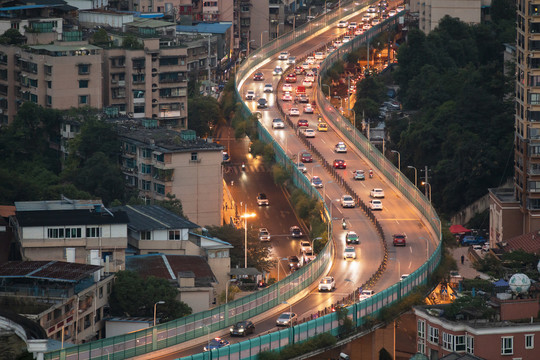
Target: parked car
{"points": [[377, 193], [242, 328], [216, 343], [295, 232], [349, 253], [327, 283], [287, 319], [347, 201], [316, 182], [352, 238], [375, 205], [399, 240]]}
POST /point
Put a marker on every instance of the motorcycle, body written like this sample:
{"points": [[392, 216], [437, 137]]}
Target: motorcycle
{"points": [[344, 224], [370, 174], [243, 167]]}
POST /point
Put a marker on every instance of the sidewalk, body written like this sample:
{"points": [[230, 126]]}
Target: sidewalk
{"points": [[466, 270]]}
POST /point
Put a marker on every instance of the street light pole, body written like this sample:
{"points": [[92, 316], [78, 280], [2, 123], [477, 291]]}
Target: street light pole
{"points": [[246, 216], [328, 86], [155, 307], [265, 31], [415, 175], [399, 158], [341, 103], [429, 188]]}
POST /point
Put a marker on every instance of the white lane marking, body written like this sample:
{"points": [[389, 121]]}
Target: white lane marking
{"points": [[410, 249]]}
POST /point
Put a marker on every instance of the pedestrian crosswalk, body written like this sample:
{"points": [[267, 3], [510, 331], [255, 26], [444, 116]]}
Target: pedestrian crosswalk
{"points": [[237, 169]]}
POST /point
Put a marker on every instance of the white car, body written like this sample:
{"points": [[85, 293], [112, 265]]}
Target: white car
{"points": [[291, 60], [327, 283], [392, 13], [306, 66], [343, 24], [268, 88], [377, 193], [372, 9], [294, 112], [400, 8], [403, 277], [301, 167], [375, 205], [309, 133], [366, 294], [337, 43], [366, 18], [358, 31], [287, 88], [346, 39], [340, 147], [352, 25], [310, 76], [310, 60], [366, 26], [306, 83], [319, 56], [264, 235], [347, 201], [375, 22], [250, 95], [278, 70], [286, 96], [278, 124], [349, 253], [308, 109], [308, 256], [305, 245], [284, 55]]}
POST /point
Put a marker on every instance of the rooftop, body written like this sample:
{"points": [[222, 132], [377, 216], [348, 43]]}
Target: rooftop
{"points": [[504, 194], [170, 266], [154, 217], [529, 243], [165, 140], [64, 204], [70, 217], [47, 270], [212, 28], [149, 23]]}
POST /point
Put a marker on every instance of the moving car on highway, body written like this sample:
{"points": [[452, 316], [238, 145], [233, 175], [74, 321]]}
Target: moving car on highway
{"points": [[262, 199], [352, 238], [278, 124], [340, 164], [399, 240], [242, 328], [377, 193], [359, 175], [322, 127], [316, 182], [349, 253], [327, 283], [366, 294], [264, 235], [375, 205], [295, 232], [340, 147], [306, 157], [347, 201], [287, 319], [216, 343]]}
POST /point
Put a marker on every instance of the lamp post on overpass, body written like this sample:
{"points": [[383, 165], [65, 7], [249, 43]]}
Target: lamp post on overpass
{"points": [[246, 216], [399, 158], [415, 174]]}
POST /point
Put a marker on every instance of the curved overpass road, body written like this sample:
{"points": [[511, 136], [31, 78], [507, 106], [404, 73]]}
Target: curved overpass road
{"points": [[398, 215]]}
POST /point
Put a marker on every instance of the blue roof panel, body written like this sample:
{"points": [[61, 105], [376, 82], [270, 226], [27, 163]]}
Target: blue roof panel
{"points": [[213, 28]]}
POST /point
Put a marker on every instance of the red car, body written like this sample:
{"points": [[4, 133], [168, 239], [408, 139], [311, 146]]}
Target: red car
{"points": [[302, 122], [306, 157], [340, 164], [258, 76], [291, 78], [400, 240]]}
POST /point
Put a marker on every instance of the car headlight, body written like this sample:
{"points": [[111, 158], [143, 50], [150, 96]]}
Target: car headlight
{"points": [[241, 330], [205, 349], [231, 329]]}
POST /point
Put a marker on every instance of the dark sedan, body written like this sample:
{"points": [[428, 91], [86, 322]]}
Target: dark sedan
{"points": [[242, 328], [340, 164], [306, 157], [258, 76]]}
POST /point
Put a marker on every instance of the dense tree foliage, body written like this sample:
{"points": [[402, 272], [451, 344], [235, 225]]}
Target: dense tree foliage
{"points": [[203, 112], [133, 295], [12, 37], [461, 121], [259, 255]]}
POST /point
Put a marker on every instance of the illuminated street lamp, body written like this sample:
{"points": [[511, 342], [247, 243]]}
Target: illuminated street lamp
{"points": [[161, 302], [246, 215], [429, 187]]}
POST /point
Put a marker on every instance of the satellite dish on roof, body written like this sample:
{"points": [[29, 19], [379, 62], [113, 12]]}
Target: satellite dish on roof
{"points": [[519, 283]]}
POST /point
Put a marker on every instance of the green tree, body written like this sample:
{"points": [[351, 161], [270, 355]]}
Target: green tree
{"points": [[133, 295], [12, 37], [100, 38], [131, 42], [172, 204], [203, 112]]}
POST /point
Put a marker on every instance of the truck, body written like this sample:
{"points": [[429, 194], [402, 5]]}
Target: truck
{"points": [[473, 240]]}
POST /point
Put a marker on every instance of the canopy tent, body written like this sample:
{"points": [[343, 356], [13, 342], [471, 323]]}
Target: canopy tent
{"points": [[459, 229], [500, 283]]}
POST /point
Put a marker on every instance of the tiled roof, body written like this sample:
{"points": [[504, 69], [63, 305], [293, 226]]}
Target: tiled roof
{"points": [[154, 217], [69, 217], [50, 270], [169, 266], [527, 242]]}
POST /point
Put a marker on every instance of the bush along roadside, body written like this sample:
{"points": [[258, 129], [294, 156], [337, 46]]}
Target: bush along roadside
{"points": [[291, 351]]}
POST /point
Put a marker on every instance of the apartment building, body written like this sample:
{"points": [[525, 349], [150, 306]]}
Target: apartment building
{"points": [[516, 211], [80, 231], [430, 12], [59, 75], [64, 298], [160, 161], [251, 23], [509, 334]]}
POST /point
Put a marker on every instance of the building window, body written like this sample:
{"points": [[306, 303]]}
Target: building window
{"points": [[83, 99], [49, 84], [100, 292], [529, 341], [83, 84], [146, 169], [159, 188], [93, 232], [146, 153], [146, 185], [48, 69], [459, 343], [448, 341], [421, 346], [194, 156], [433, 333], [174, 235], [49, 100], [469, 342], [507, 345], [61, 233], [84, 69], [138, 108], [146, 235], [159, 157], [421, 329], [33, 98]]}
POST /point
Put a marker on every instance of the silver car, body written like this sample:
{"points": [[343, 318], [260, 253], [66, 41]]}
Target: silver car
{"points": [[287, 319]]}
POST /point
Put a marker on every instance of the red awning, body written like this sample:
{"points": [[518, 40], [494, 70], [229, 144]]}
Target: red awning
{"points": [[459, 229]]}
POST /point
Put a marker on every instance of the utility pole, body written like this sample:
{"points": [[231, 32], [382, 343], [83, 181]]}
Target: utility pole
{"points": [[368, 56], [208, 66], [426, 180]]}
